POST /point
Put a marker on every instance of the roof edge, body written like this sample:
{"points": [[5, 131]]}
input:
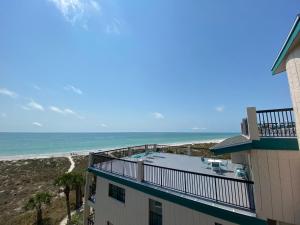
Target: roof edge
{"points": [[287, 44]]}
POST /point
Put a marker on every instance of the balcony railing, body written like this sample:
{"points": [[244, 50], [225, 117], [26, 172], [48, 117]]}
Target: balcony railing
{"points": [[229, 191], [276, 123], [117, 166]]}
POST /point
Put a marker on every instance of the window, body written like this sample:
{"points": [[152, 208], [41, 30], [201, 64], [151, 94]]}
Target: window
{"points": [[109, 223], [155, 212], [117, 192]]}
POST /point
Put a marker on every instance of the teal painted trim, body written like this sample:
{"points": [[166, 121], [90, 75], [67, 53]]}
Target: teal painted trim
{"points": [[290, 144], [283, 144], [198, 206], [286, 47], [231, 149]]}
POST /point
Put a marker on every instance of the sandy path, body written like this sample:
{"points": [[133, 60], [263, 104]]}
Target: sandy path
{"points": [[72, 166]]}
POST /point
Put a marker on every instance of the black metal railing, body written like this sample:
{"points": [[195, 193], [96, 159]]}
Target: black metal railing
{"points": [[276, 123], [126, 168], [229, 191]]}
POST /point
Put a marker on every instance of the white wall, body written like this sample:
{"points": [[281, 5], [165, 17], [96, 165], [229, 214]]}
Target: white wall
{"points": [[135, 210], [276, 176], [293, 72]]}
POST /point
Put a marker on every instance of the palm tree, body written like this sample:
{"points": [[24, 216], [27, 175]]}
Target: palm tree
{"points": [[78, 182], [67, 182], [36, 202]]}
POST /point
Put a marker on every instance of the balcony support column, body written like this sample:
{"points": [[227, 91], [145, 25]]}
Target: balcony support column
{"points": [[293, 74], [140, 171], [252, 123]]}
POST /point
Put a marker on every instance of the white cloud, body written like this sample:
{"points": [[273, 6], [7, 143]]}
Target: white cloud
{"points": [[34, 105], [220, 108], [25, 107], [74, 89], [37, 124], [56, 109], [3, 115], [113, 27], [103, 125], [36, 87], [198, 128], [158, 115], [65, 111], [69, 111], [4, 91], [95, 5], [77, 11]]}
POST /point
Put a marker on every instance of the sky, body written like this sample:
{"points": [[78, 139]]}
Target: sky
{"points": [[114, 65]]}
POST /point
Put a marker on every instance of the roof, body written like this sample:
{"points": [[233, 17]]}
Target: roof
{"points": [[292, 40], [242, 143], [188, 163], [233, 141]]}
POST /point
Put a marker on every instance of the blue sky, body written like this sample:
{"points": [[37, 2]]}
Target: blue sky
{"points": [[112, 65]]}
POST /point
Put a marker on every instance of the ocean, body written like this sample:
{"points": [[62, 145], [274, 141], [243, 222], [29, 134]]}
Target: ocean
{"points": [[15, 144]]}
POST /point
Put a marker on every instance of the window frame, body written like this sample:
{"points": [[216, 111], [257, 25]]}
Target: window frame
{"points": [[116, 192], [154, 215]]}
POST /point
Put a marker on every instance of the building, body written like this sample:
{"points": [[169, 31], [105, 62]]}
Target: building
{"points": [[269, 145], [147, 186]]}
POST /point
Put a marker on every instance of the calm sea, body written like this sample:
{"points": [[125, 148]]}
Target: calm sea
{"points": [[12, 144]]}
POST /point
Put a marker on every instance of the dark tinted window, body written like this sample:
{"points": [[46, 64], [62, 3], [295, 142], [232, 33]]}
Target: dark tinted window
{"points": [[155, 212], [116, 192]]}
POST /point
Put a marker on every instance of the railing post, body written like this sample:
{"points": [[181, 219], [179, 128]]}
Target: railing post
{"points": [[216, 189], [252, 123], [160, 176], [184, 182], [140, 170]]}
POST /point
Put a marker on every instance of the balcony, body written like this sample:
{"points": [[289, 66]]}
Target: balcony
{"points": [[217, 185], [273, 129], [276, 123], [271, 123]]}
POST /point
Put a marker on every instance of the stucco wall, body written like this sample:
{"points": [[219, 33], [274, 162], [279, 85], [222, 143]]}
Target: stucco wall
{"points": [[293, 72], [277, 184], [135, 209], [240, 157]]}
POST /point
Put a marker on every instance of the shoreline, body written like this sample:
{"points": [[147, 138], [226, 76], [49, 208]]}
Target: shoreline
{"points": [[86, 152]]}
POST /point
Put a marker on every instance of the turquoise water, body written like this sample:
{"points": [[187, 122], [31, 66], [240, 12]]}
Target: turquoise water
{"points": [[12, 144]]}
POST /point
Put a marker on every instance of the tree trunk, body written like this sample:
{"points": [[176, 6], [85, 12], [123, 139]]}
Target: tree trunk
{"points": [[67, 193], [39, 215], [78, 196]]}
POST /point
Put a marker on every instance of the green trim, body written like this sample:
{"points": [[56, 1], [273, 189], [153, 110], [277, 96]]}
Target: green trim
{"points": [[283, 144], [198, 206], [286, 47], [290, 144]]}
